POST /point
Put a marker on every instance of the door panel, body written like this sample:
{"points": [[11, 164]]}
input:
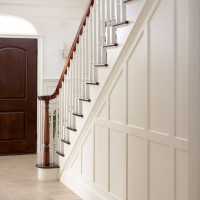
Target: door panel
{"points": [[12, 126], [18, 95], [13, 86]]}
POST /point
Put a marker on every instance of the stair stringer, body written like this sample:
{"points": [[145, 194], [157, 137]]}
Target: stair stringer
{"points": [[73, 177]]}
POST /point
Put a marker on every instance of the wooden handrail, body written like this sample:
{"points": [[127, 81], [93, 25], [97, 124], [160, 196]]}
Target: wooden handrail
{"points": [[73, 48], [47, 98]]}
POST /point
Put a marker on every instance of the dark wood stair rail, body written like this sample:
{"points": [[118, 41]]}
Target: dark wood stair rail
{"points": [[47, 98]]}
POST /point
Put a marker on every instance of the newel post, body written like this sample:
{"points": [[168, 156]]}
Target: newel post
{"points": [[46, 134], [46, 171]]}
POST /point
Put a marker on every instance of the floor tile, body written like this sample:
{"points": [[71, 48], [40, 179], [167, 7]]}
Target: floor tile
{"points": [[18, 181]]}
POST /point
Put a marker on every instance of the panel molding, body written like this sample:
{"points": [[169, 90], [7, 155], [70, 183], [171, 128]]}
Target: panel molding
{"points": [[159, 147]]}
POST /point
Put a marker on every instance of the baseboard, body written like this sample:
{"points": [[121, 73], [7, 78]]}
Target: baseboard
{"points": [[79, 187]]}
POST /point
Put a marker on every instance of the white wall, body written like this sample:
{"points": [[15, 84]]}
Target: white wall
{"points": [[136, 146], [56, 23]]}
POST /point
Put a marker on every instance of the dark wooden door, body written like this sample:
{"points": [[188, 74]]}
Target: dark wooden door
{"points": [[18, 96]]}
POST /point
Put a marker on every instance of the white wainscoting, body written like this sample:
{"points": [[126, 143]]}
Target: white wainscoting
{"points": [[136, 146], [49, 86]]}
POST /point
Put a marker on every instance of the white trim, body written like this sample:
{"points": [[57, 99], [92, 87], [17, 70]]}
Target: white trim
{"points": [[194, 99], [48, 174], [80, 187]]}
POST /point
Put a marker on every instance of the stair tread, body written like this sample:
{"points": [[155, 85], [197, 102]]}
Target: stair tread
{"points": [[51, 166], [111, 45], [72, 129], [88, 100], [65, 141], [92, 83], [78, 115], [121, 23], [61, 154], [126, 1], [101, 65]]}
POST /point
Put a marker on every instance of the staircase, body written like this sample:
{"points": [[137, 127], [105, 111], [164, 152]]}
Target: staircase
{"points": [[97, 123], [103, 31]]}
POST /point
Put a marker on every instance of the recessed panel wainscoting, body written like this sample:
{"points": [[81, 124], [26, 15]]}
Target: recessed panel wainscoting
{"points": [[134, 145]]}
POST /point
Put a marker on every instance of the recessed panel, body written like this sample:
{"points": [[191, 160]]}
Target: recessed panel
{"points": [[12, 126], [137, 168], [181, 175], [101, 157], [181, 69], [87, 157], [117, 163], [13, 71], [117, 100], [161, 68], [159, 172], [136, 73]]}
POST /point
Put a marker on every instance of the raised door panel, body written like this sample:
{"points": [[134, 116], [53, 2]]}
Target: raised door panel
{"points": [[13, 62]]}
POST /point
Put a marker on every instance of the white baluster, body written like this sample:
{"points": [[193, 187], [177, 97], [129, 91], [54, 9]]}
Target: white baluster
{"points": [[51, 131], [67, 105], [117, 11], [60, 118], [75, 80], [69, 94], [77, 76], [108, 23], [56, 132], [103, 32], [83, 52], [73, 90], [64, 106], [122, 11], [90, 41], [98, 32], [87, 54], [94, 41], [79, 72], [112, 21]]}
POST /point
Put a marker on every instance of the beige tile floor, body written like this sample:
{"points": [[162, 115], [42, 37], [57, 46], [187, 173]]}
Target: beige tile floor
{"points": [[18, 181]]}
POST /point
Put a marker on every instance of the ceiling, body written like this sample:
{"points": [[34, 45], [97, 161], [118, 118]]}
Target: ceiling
{"points": [[66, 3]]}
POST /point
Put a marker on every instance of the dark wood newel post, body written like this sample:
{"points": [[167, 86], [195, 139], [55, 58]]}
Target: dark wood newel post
{"points": [[46, 153], [46, 134]]}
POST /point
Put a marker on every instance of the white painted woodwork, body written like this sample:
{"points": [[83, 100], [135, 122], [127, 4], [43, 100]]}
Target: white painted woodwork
{"points": [[101, 155], [134, 143], [194, 98]]}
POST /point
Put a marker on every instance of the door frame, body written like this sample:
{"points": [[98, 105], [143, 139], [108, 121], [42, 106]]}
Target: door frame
{"points": [[39, 76]]}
